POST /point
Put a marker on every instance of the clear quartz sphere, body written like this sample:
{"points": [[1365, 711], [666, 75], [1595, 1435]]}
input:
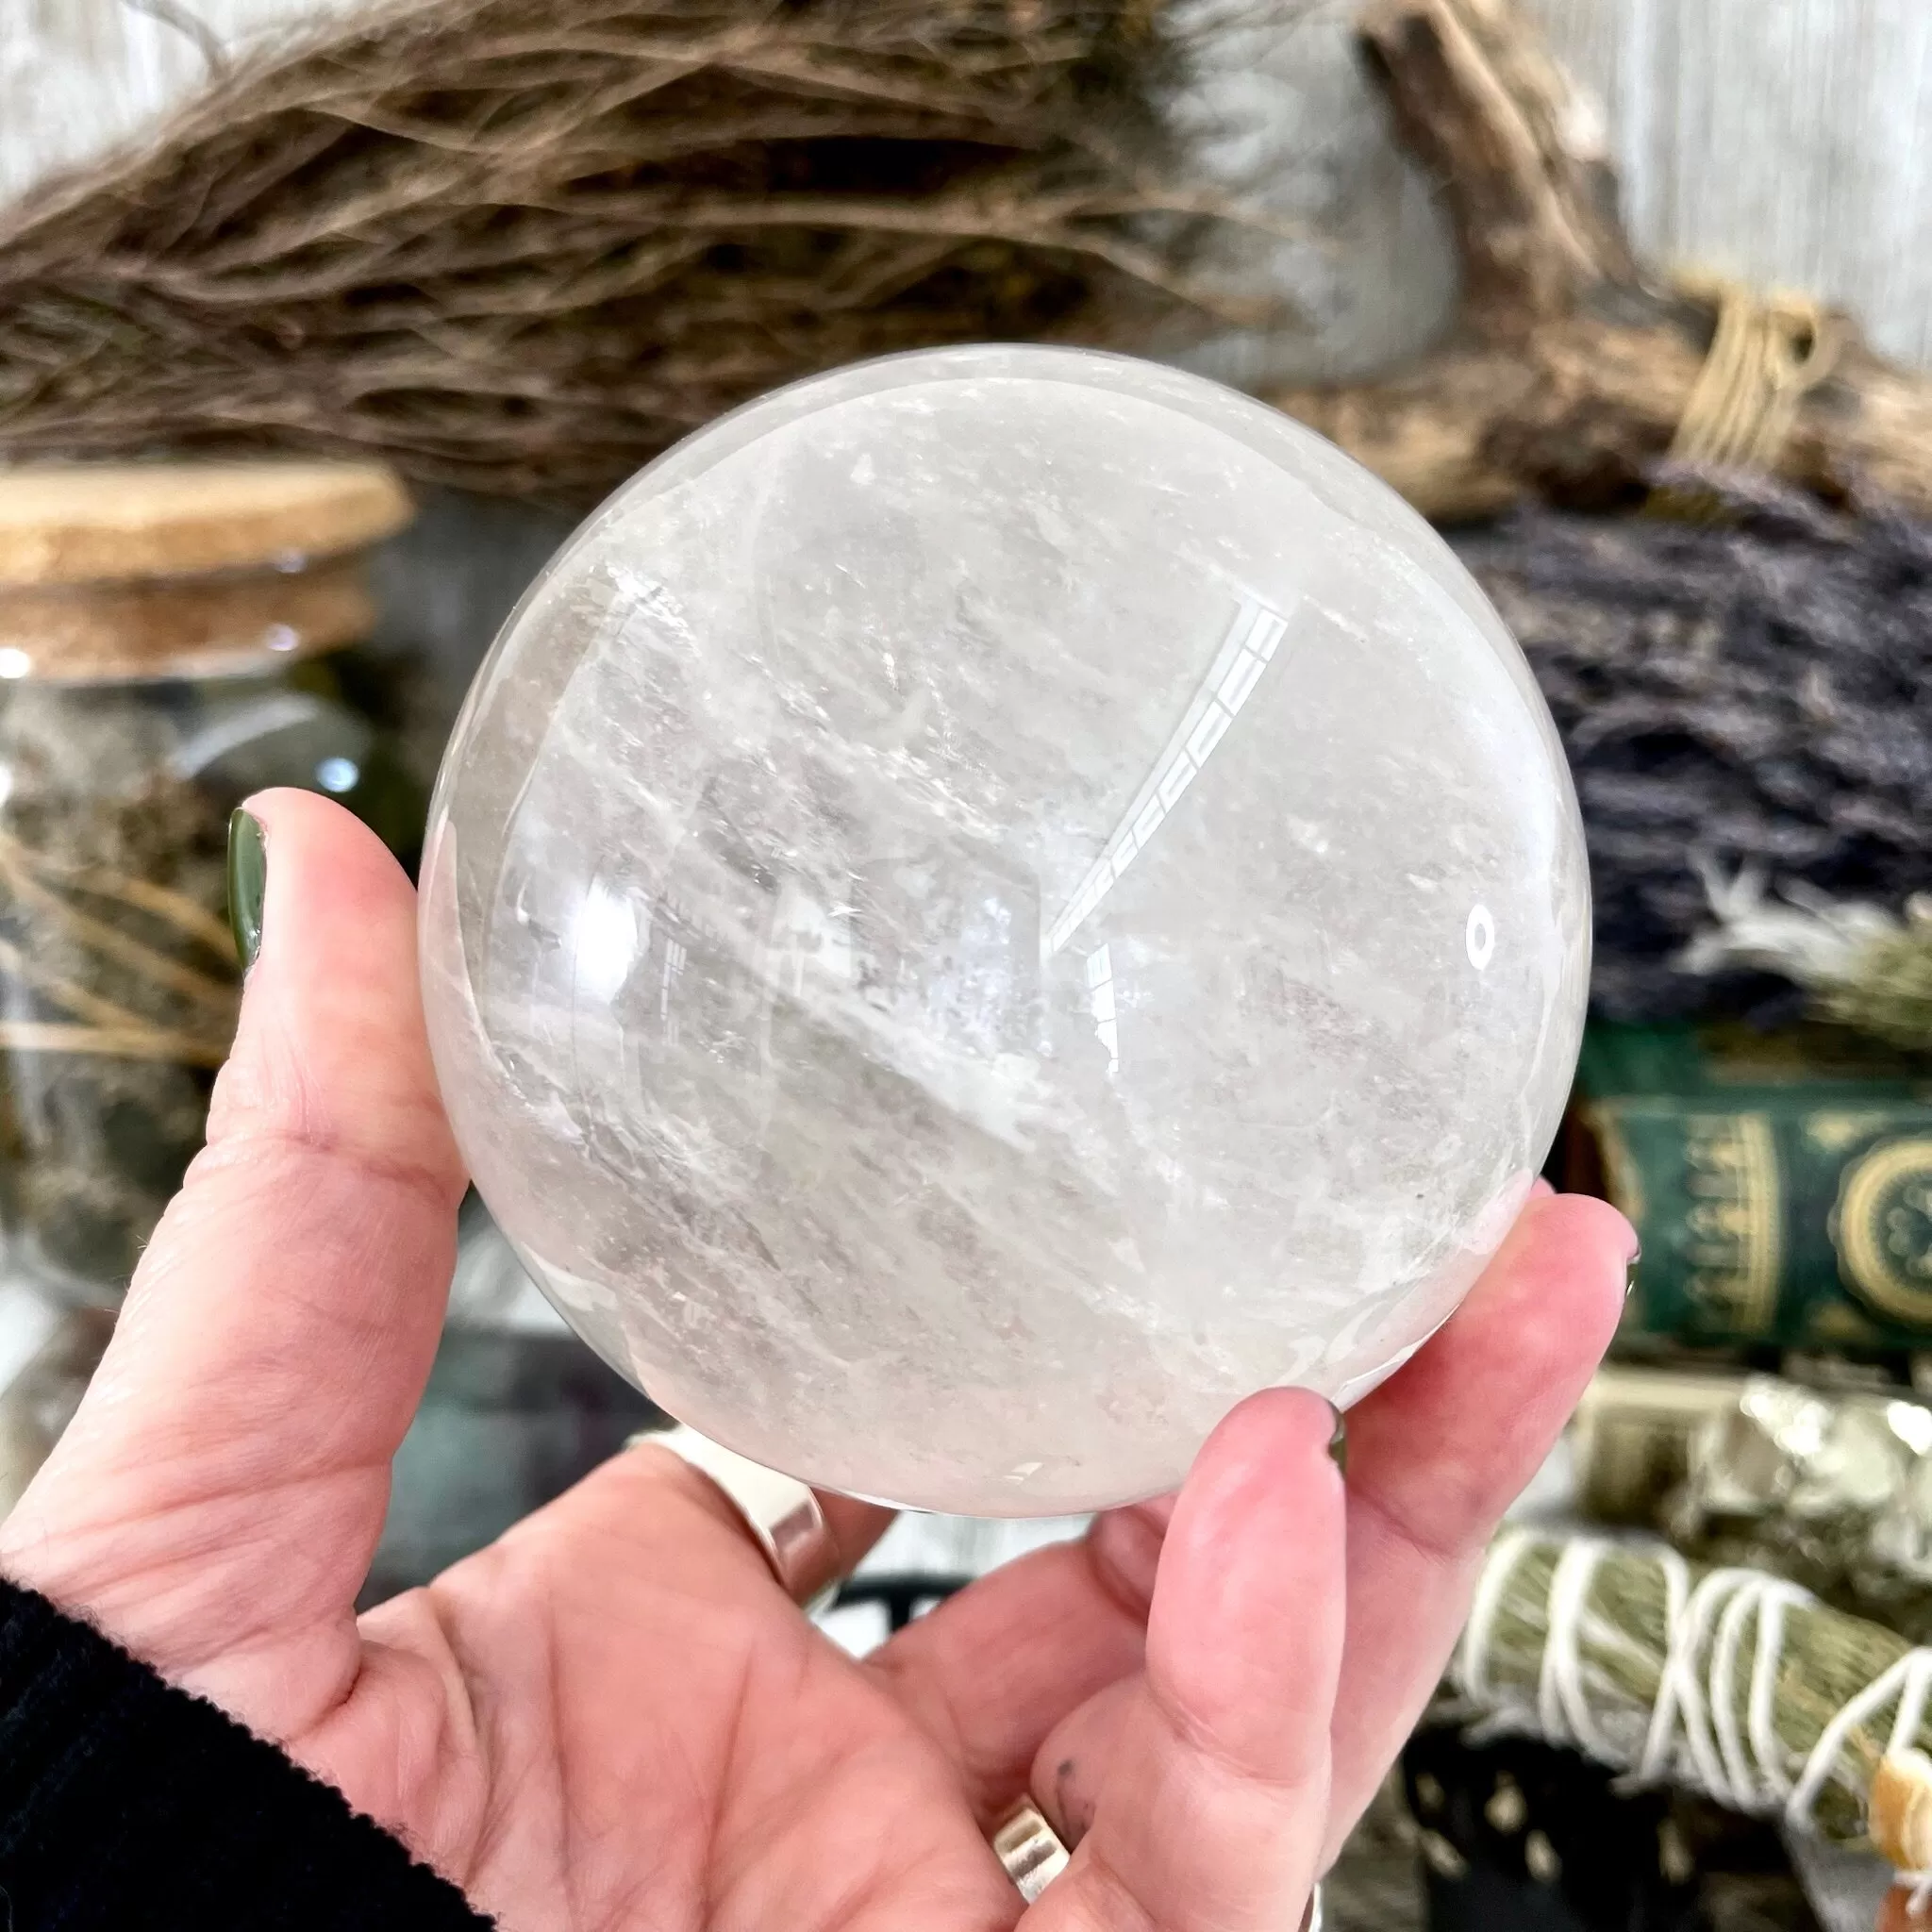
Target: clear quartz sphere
{"points": [[988, 905]]}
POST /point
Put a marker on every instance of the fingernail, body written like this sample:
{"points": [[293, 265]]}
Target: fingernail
{"points": [[247, 883], [1337, 1441]]}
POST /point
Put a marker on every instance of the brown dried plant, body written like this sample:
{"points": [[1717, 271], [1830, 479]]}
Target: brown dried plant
{"points": [[523, 244]]}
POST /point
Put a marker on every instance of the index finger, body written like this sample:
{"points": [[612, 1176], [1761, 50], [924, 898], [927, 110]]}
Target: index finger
{"points": [[1006, 1675], [1435, 1457], [1441, 1450]]}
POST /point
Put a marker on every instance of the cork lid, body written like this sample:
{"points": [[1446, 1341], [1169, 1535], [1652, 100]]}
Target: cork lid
{"points": [[102, 523]]}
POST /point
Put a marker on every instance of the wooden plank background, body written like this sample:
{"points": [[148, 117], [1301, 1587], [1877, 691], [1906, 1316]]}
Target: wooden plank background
{"points": [[1787, 142]]}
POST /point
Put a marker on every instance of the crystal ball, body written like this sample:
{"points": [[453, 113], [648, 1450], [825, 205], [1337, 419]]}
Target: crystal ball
{"points": [[991, 904]]}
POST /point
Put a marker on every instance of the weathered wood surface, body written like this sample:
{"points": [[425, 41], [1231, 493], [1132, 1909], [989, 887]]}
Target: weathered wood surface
{"points": [[1573, 363], [1787, 143], [1784, 141]]}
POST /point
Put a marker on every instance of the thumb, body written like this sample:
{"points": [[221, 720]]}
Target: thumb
{"points": [[215, 1502]]}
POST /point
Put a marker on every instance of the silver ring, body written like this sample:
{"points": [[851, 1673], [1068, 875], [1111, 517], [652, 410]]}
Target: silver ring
{"points": [[782, 1514], [1031, 1851]]}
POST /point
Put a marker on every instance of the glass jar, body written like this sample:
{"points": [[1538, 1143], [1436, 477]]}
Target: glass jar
{"points": [[172, 638]]}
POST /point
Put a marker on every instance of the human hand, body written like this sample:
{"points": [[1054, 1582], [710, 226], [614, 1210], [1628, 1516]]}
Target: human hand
{"points": [[613, 1717]]}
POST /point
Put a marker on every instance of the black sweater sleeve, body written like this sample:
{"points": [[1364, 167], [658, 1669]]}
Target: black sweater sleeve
{"points": [[128, 1804]]}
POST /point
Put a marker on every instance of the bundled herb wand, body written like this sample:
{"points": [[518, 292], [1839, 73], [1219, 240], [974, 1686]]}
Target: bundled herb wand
{"points": [[1730, 1682]]}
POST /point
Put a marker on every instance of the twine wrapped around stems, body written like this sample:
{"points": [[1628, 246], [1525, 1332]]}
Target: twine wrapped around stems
{"points": [[1734, 1683], [1767, 354]]}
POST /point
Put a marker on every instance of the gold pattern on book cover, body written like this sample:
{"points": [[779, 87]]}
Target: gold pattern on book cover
{"points": [[1736, 1222], [1882, 1228]]}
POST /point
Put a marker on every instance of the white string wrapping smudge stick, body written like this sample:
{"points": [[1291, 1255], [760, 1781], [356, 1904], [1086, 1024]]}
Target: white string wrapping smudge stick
{"points": [[1735, 1683]]}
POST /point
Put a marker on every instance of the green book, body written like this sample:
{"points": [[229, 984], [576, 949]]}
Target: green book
{"points": [[1781, 1184]]}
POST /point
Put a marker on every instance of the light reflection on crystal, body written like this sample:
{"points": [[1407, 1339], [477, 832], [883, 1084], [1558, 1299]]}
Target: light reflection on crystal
{"points": [[1249, 648]]}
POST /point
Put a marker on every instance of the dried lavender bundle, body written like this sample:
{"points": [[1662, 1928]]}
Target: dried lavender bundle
{"points": [[1741, 693]]}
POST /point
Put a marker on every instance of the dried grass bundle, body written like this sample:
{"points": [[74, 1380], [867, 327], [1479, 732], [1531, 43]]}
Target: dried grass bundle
{"points": [[521, 245]]}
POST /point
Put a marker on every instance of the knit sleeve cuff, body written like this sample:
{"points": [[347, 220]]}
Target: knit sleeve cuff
{"points": [[126, 1802]]}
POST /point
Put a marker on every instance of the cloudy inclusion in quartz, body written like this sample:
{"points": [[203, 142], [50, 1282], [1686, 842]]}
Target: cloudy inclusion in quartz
{"points": [[991, 904]]}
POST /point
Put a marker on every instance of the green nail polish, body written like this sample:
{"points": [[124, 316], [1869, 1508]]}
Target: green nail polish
{"points": [[1337, 1442], [247, 884]]}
